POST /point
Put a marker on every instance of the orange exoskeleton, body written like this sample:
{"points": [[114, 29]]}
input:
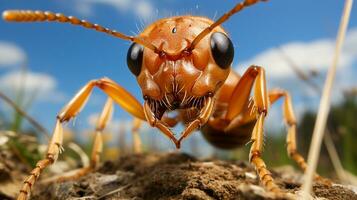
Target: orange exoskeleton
{"points": [[181, 63]]}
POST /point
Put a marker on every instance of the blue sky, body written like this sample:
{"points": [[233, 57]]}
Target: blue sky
{"points": [[61, 58]]}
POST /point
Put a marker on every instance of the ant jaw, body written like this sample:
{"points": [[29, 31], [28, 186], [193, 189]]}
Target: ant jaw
{"points": [[155, 109], [177, 144], [202, 108]]}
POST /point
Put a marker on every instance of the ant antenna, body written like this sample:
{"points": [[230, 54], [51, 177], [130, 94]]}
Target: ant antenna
{"points": [[39, 16], [240, 6]]}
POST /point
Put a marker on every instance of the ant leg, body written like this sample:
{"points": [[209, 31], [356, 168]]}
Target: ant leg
{"points": [[261, 106], [241, 93], [255, 155], [238, 103], [54, 149], [137, 144], [112, 89], [290, 122], [97, 146], [103, 120]]}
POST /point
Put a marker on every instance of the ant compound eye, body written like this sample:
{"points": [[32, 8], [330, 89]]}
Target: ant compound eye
{"points": [[134, 58], [222, 49]]}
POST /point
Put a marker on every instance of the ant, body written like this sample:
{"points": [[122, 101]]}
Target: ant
{"points": [[181, 63]]}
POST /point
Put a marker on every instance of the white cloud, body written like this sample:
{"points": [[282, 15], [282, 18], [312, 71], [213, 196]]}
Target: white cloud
{"points": [[313, 55], [350, 44], [141, 8], [11, 54], [84, 9], [144, 9], [36, 86], [307, 56]]}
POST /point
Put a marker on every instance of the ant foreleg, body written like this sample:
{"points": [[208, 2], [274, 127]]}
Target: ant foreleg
{"points": [[54, 149], [253, 78], [137, 144], [97, 146]]}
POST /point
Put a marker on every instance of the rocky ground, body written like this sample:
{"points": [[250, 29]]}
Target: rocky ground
{"points": [[180, 176]]}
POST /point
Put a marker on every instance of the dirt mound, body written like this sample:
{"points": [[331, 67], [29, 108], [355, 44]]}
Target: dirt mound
{"points": [[178, 176]]}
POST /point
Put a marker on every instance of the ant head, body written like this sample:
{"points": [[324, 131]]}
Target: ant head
{"points": [[192, 55], [178, 70]]}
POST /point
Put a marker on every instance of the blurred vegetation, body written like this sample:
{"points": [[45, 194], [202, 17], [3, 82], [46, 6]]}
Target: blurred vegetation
{"points": [[342, 123]]}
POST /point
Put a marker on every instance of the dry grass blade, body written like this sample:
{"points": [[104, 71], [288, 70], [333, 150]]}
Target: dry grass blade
{"points": [[324, 107], [24, 114], [113, 192], [83, 156], [336, 162]]}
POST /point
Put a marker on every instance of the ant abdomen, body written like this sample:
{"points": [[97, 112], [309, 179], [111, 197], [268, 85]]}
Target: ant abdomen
{"points": [[228, 140]]}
